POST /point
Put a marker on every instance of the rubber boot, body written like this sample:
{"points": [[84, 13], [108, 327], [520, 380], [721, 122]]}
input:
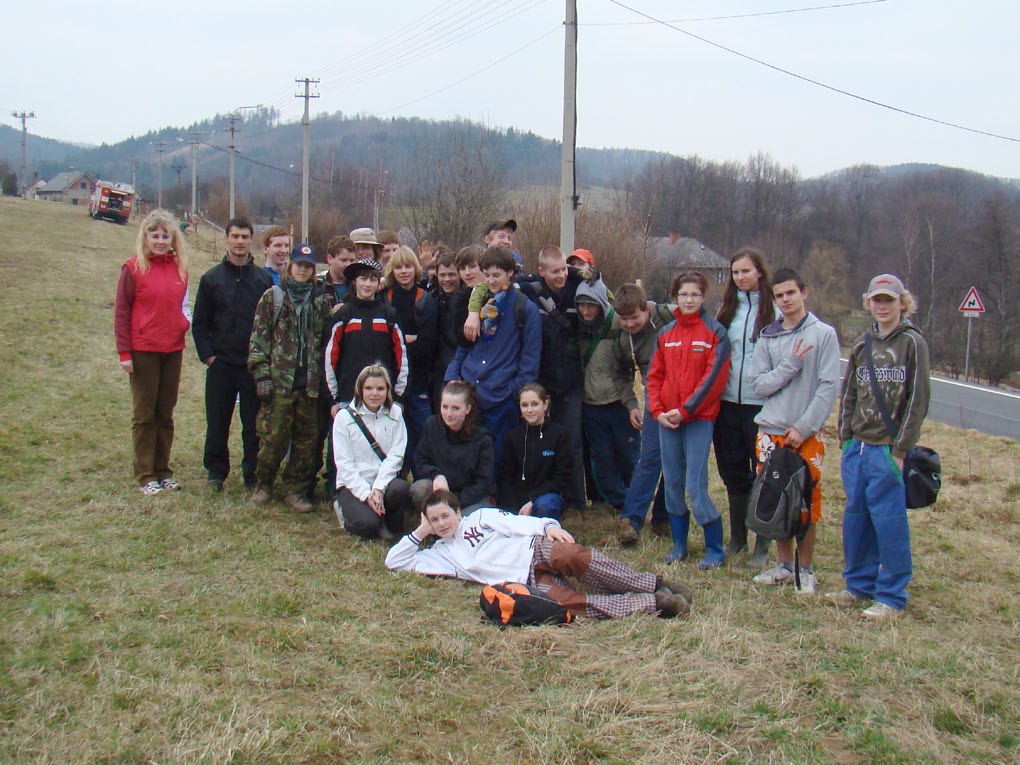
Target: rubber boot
{"points": [[679, 526], [760, 558], [738, 527], [715, 556]]}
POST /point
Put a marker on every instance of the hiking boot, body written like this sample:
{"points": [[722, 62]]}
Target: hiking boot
{"points": [[626, 534], [775, 575], [685, 592], [808, 583], [880, 612], [670, 606], [298, 503], [261, 496], [843, 598]]}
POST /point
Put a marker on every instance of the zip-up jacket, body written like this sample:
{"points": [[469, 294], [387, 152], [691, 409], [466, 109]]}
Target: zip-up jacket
{"points": [[742, 342], [422, 351], [798, 392], [272, 352], [225, 310], [689, 367], [467, 461], [364, 332], [634, 352], [606, 381], [151, 311], [901, 365], [559, 369], [358, 467], [535, 461], [490, 546]]}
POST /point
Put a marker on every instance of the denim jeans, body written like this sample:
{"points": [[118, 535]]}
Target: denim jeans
{"points": [[646, 476], [499, 419], [613, 447], [685, 469], [548, 506], [876, 535], [417, 409]]}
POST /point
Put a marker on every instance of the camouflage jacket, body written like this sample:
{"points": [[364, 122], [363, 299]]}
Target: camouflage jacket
{"points": [[273, 346]]}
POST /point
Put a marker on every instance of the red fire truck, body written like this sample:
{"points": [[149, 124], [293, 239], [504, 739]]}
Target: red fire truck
{"points": [[112, 200]]}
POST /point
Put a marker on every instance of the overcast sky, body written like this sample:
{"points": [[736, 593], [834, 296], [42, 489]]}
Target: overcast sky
{"points": [[96, 76]]}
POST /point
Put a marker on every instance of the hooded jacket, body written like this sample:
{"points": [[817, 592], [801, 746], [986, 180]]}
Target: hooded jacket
{"points": [[798, 392], [606, 381], [535, 461], [742, 343], [689, 367], [634, 352], [272, 352], [901, 365]]}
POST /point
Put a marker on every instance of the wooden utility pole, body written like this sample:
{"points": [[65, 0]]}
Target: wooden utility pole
{"points": [[160, 148], [24, 117], [195, 140], [568, 178], [233, 149], [305, 155]]}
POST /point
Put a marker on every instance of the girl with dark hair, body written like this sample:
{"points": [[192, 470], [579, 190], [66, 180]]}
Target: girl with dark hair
{"points": [[685, 381], [369, 439], [747, 308], [455, 452], [537, 465], [151, 316]]}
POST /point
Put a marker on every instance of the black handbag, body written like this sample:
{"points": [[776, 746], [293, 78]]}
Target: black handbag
{"points": [[922, 467]]}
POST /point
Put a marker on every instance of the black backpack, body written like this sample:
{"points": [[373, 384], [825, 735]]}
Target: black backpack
{"points": [[512, 604], [780, 503]]}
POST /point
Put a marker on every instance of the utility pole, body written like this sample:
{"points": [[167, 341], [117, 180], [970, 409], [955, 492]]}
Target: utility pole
{"points": [[178, 167], [304, 155], [24, 117], [379, 190], [195, 139], [134, 184], [568, 179], [233, 149], [160, 148]]}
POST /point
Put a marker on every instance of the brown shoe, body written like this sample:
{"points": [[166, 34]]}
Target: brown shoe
{"points": [[299, 503], [671, 606], [261, 496], [685, 592], [626, 534]]}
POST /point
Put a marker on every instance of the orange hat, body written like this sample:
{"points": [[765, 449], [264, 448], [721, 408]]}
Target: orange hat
{"points": [[584, 255]]}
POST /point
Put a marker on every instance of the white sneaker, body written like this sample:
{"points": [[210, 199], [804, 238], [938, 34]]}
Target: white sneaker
{"points": [[843, 598], [808, 583], [776, 575], [880, 612]]}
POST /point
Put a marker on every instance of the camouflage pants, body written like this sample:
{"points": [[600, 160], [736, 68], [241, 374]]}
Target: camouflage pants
{"points": [[289, 420]]}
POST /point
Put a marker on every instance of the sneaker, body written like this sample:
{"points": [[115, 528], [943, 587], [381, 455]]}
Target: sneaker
{"points": [[808, 583], [626, 534], [298, 503], [843, 598], [670, 606], [775, 575], [880, 612], [170, 484], [215, 485], [151, 488], [685, 592], [260, 496]]}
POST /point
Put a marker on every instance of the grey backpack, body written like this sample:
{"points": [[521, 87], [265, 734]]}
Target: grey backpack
{"points": [[780, 504]]}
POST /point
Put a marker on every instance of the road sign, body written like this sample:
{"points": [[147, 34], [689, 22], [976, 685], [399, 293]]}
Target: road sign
{"points": [[972, 307]]}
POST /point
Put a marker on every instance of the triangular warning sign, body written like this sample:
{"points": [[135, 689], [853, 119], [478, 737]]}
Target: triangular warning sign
{"points": [[972, 303]]}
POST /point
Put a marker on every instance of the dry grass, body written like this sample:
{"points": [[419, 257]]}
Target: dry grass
{"points": [[201, 629]]}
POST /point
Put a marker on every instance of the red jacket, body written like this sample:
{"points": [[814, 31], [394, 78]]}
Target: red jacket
{"points": [[151, 312], [689, 368]]}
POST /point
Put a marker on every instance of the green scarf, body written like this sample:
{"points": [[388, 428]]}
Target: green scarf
{"points": [[300, 294]]}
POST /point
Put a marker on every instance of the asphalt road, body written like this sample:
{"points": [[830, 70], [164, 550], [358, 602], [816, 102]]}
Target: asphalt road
{"points": [[965, 405]]}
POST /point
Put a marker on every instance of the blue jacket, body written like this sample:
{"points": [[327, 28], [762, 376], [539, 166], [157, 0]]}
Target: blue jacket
{"points": [[500, 366], [742, 341]]}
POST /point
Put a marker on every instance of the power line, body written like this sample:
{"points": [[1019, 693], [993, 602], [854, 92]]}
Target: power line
{"points": [[818, 83], [733, 16]]}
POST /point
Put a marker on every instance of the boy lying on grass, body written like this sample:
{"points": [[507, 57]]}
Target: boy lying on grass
{"points": [[491, 546]]}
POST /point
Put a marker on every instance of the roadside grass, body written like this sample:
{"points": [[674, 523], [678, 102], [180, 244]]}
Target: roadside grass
{"points": [[198, 628]]}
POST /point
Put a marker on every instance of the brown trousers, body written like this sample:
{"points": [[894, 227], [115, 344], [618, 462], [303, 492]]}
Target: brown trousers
{"points": [[154, 384]]}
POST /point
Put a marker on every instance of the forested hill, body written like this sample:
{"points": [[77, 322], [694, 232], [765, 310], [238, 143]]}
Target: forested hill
{"points": [[391, 146]]}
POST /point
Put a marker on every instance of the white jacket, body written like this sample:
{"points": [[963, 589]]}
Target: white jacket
{"points": [[358, 467], [490, 546]]}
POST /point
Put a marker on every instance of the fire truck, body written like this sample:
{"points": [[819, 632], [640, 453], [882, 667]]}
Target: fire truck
{"points": [[112, 200]]}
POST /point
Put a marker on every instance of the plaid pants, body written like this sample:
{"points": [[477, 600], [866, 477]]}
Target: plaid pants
{"points": [[629, 591]]}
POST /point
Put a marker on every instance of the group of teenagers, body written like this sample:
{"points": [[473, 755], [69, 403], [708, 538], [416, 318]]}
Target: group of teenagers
{"points": [[450, 392]]}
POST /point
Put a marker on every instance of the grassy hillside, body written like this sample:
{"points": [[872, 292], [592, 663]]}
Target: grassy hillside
{"points": [[193, 628]]}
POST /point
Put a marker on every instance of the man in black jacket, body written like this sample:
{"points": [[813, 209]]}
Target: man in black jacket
{"points": [[222, 322]]}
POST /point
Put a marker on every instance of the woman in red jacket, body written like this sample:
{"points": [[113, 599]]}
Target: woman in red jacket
{"points": [[151, 316], [686, 378]]}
